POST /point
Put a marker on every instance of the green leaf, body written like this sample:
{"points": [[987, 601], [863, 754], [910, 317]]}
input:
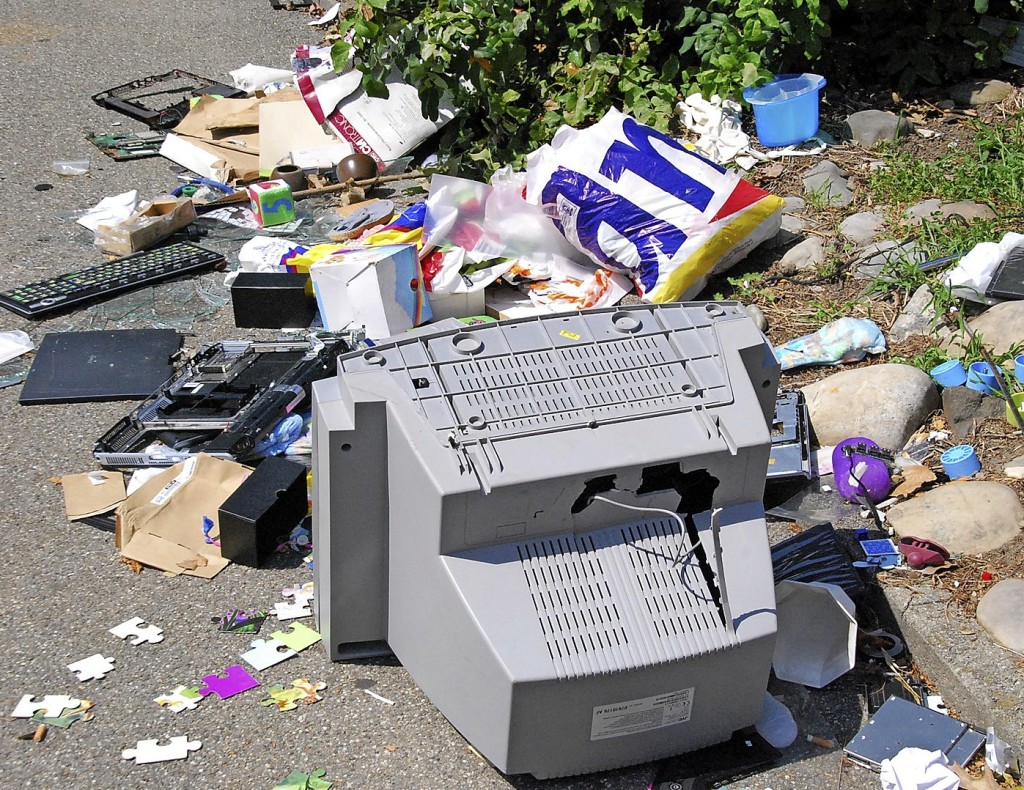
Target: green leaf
{"points": [[981, 6], [769, 20], [510, 96]]}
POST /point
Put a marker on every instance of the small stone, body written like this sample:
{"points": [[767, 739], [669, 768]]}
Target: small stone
{"points": [[945, 104], [861, 228], [926, 209], [793, 204], [969, 517], [968, 209], [786, 268], [792, 224], [975, 93], [917, 317], [1015, 468], [999, 613], [829, 182], [887, 254], [808, 254], [964, 408], [757, 316], [869, 127], [886, 403]]}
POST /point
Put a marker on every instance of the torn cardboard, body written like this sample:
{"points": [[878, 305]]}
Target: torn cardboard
{"points": [[153, 223], [161, 524], [92, 493]]}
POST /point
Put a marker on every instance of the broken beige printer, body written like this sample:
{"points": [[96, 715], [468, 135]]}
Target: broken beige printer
{"points": [[555, 523]]}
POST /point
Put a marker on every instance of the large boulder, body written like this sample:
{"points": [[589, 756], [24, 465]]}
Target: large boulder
{"points": [[886, 403], [969, 517]]}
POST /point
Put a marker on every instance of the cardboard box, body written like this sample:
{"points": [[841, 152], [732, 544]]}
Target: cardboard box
{"points": [[262, 511], [460, 305], [380, 288], [272, 300], [144, 228]]}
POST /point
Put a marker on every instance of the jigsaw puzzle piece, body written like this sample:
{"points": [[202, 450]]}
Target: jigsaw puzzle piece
{"points": [[151, 751], [289, 611], [93, 667], [299, 638], [234, 680], [140, 630], [51, 705], [309, 690], [297, 780], [83, 712], [299, 592], [179, 699], [285, 699], [266, 653], [237, 621]]}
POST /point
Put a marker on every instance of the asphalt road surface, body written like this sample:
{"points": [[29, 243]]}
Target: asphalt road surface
{"points": [[63, 586]]}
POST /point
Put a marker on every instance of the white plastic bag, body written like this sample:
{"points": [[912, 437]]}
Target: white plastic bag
{"points": [[638, 202], [969, 278]]}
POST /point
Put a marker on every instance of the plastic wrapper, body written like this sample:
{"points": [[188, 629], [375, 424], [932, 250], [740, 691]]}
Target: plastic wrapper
{"points": [[842, 340], [640, 203], [971, 277]]}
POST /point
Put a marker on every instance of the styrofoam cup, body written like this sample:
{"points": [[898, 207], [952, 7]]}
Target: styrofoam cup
{"points": [[960, 461], [950, 373]]}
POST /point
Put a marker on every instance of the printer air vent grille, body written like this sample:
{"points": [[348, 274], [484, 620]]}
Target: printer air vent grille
{"points": [[614, 600]]}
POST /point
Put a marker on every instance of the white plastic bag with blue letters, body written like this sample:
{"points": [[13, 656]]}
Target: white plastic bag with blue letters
{"points": [[638, 202]]}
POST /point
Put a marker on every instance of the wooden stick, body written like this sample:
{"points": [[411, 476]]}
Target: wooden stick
{"points": [[243, 197]]}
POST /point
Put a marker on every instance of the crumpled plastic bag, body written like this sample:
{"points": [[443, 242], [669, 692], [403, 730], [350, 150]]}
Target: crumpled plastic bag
{"points": [[13, 344], [639, 203], [918, 769], [842, 340], [969, 278]]}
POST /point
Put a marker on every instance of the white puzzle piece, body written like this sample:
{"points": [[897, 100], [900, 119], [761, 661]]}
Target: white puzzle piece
{"points": [[265, 653], [290, 611], [93, 667], [140, 630], [180, 698], [150, 752], [300, 592], [51, 705]]}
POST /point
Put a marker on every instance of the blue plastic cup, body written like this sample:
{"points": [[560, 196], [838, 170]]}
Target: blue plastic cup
{"points": [[960, 461], [982, 378], [786, 109], [950, 373], [1018, 368]]}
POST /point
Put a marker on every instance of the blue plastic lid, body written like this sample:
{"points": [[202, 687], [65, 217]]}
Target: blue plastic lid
{"points": [[783, 88]]}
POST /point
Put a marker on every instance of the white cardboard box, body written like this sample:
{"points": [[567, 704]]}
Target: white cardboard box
{"points": [[380, 288]]}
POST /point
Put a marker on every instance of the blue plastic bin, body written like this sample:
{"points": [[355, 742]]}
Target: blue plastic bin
{"points": [[786, 109]]}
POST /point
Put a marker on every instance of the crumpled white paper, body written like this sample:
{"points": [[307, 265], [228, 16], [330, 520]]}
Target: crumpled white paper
{"points": [[718, 122], [251, 78], [918, 769], [111, 210]]}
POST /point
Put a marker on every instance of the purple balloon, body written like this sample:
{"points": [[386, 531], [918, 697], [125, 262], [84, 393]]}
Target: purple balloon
{"points": [[873, 473]]}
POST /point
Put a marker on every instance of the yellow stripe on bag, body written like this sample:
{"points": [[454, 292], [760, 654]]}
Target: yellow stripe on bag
{"points": [[714, 249]]}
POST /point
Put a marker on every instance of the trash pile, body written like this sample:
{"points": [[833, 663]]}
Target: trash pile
{"points": [[303, 181]]}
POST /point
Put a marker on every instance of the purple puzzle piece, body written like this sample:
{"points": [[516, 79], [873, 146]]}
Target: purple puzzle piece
{"points": [[234, 680]]}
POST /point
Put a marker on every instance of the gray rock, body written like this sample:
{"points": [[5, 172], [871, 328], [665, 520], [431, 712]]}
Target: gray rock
{"points": [[977, 92], [878, 257], [1015, 468], [1002, 326], [926, 209], [792, 224], [968, 209], [868, 127], [969, 517], [793, 204], [861, 228], [808, 254], [964, 408], [999, 613], [756, 316], [885, 402], [916, 318], [828, 181]]}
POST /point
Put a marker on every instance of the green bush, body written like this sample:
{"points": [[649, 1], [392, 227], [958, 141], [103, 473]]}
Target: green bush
{"points": [[517, 73]]}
